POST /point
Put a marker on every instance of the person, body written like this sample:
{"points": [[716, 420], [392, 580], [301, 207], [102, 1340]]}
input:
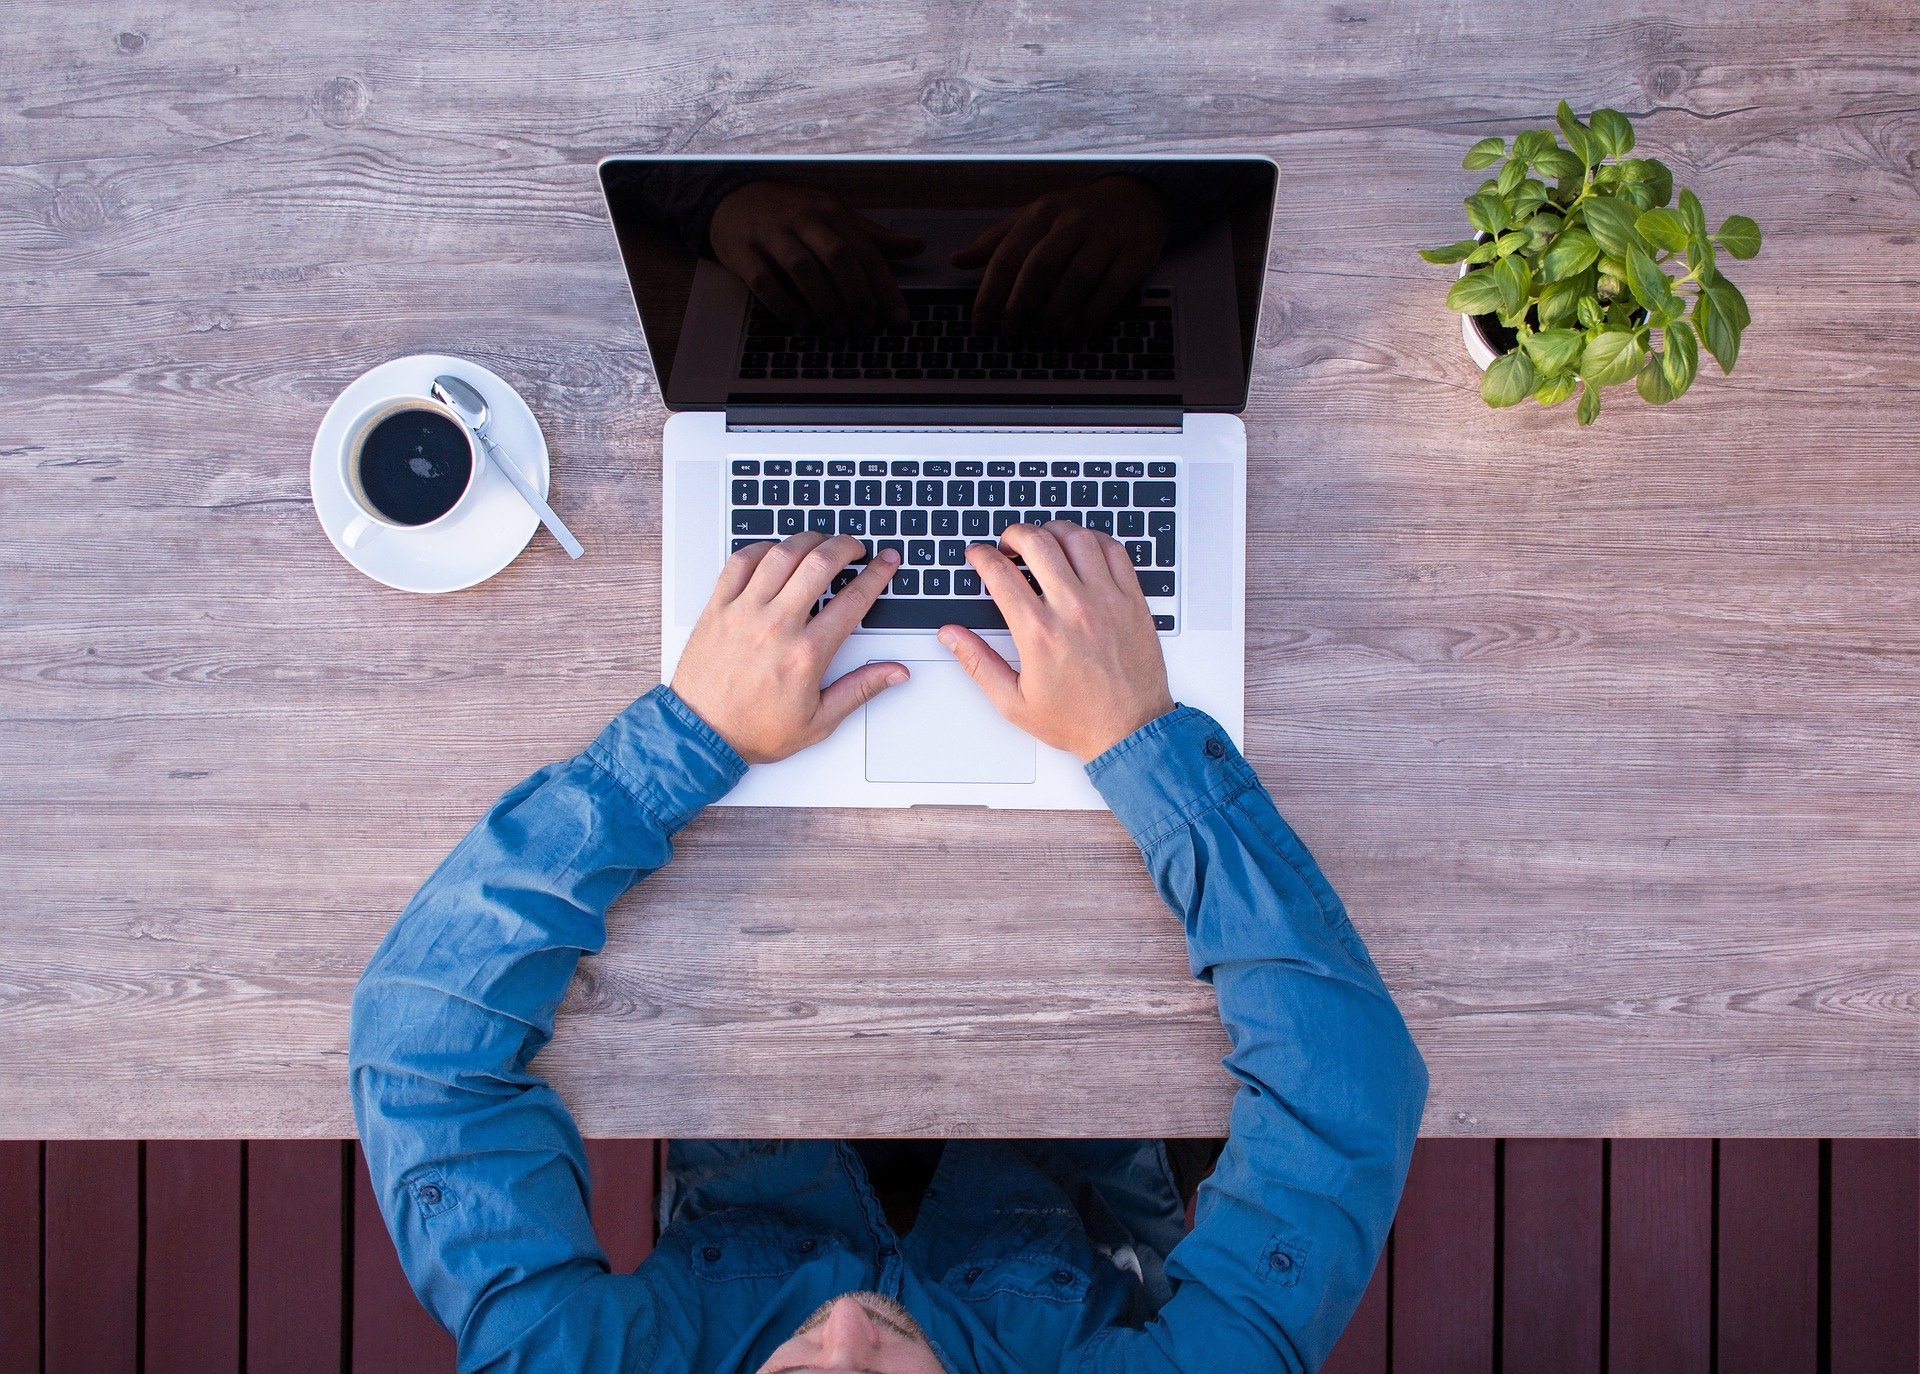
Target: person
{"points": [[781, 1257]]}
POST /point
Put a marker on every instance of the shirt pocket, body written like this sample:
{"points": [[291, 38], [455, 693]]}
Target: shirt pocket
{"points": [[1048, 1278], [720, 1256]]}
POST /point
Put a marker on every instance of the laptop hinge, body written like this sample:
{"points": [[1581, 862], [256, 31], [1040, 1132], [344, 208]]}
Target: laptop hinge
{"points": [[1008, 419]]}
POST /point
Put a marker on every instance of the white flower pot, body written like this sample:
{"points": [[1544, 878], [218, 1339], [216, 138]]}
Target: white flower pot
{"points": [[1478, 348]]}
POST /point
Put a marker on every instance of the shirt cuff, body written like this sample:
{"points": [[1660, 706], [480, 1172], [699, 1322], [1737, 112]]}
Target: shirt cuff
{"points": [[671, 761], [1169, 772]]}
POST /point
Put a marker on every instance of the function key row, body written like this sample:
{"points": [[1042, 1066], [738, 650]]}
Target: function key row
{"points": [[907, 467]]}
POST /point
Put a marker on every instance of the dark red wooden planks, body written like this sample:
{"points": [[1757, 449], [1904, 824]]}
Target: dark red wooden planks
{"points": [[1660, 1257], [20, 1257], [1874, 1281], [191, 1274], [1362, 1348], [1769, 1252], [624, 1173], [1552, 1256], [391, 1330], [296, 1266], [1443, 1277], [92, 1218]]}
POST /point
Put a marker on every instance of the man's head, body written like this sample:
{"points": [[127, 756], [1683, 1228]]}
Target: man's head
{"points": [[856, 1333]]}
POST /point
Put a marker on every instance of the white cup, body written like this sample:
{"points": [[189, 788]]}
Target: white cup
{"points": [[370, 520]]}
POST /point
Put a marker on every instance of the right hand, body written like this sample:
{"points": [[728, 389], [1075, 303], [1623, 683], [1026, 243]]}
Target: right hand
{"points": [[1090, 666], [813, 262]]}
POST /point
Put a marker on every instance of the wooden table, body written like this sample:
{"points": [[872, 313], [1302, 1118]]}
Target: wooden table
{"points": [[1609, 738]]}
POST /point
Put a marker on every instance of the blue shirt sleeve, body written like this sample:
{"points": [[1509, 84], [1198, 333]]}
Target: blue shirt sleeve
{"points": [[1331, 1087], [476, 1162]]}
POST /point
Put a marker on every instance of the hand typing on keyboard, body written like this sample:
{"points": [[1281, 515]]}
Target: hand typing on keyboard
{"points": [[1091, 672], [812, 261], [753, 665]]}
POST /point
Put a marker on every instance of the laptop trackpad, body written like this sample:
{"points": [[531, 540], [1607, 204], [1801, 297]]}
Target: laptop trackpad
{"points": [[941, 728]]}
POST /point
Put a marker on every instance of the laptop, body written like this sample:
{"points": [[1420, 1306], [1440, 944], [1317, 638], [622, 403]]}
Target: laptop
{"points": [[921, 351]]}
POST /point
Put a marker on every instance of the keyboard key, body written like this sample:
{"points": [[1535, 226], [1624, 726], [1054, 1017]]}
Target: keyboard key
{"points": [[899, 493], [921, 553], [840, 467], [775, 492], [1159, 522], [992, 493], [913, 522], [1160, 469], [809, 467], [1114, 494], [1033, 469], [953, 553], [1163, 622], [1036, 517], [866, 492], [1151, 494], [820, 522], [853, 522], [973, 523], [1053, 494], [1131, 470], [839, 492], [746, 467], [959, 493], [928, 494], [1156, 583], [873, 467], [897, 546], [1072, 517], [1023, 493], [906, 582], [1097, 469], [806, 491], [740, 544], [1066, 469], [969, 469], [1131, 524], [884, 522], [1000, 469], [905, 468], [791, 522], [966, 582], [936, 468], [936, 582], [1085, 493], [1004, 520], [946, 522], [778, 467], [753, 522], [1101, 520], [842, 580], [1140, 553]]}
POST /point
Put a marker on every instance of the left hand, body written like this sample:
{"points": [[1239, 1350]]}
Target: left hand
{"points": [[753, 666]]}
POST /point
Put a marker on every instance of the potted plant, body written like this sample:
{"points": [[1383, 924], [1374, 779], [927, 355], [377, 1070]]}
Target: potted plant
{"points": [[1571, 269]]}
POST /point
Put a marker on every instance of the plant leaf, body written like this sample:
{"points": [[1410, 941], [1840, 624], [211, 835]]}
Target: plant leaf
{"points": [[1475, 294], [1659, 180], [1559, 164], [1554, 350], [1589, 409], [1612, 357], [1571, 252], [1696, 216], [1679, 356], [1611, 223], [1553, 390], [1484, 154], [1530, 196], [1651, 287], [1727, 297], [1486, 252], [1510, 177], [1654, 388], [1486, 212], [1575, 133], [1508, 382], [1529, 145], [1588, 312], [1612, 131], [1663, 229], [1452, 252], [1740, 236], [1515, 282], [1717, 332], [1511, 241]]}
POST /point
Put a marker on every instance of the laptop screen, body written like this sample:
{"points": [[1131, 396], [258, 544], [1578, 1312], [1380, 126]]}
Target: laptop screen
{"points": [[1030, 281]]}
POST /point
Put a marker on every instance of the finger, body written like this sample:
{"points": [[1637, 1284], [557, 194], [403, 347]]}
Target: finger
{"points": [[1006, 584], [771, 290], [817, 570], [836, 252], [1004, 268], [1082, 548], [1075, 287], [1042, 553], [737, 571], [1039, 273], [893, 244], [891, 304], [778, 564], [976, 253], [850, 691], [1123, 277], [842, 615], [990, 672], [811, 279], [1122, 569]]}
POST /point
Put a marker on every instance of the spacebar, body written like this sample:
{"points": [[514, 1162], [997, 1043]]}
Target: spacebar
{"points": [[930, 613]]}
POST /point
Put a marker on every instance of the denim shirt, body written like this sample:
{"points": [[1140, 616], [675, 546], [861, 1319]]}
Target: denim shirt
{"points": [[1042, 1256]]}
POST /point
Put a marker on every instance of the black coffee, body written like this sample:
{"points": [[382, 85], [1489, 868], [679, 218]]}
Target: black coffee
{"points": [[414, 465]]}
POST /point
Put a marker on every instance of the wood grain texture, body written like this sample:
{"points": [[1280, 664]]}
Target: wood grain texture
{"points": [[297, 1203], [1660, 1257], [91, 1292], [390, 1329], [1553, 1256], [626, 1175], [191, 1258], [1607, 737], [1443, 1268], [20, 1257], [1874, 1256], [1768, 1250]]}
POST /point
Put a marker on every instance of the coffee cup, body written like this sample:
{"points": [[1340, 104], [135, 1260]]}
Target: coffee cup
{"points": [[409, 463]]}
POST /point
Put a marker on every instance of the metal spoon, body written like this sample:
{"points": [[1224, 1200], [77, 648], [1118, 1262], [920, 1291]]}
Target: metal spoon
{"points": [[471, 406]]}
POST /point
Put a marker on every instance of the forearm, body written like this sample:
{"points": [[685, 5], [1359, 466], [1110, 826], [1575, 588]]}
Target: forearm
{"points": [[1331, 1086], [462, 995]]}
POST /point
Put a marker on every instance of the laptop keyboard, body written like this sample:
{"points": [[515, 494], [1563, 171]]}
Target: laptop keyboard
{"points": [[929, 510], [940, 343]]}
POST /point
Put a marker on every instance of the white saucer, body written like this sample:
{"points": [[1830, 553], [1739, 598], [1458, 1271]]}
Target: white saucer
{"points": [[476, 545]]}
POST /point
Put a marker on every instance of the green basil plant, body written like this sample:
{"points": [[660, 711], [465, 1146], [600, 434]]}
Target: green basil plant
{"points": [[1583, 252]]}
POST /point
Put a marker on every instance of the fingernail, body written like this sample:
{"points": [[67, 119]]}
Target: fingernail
{"points": [[947, 637], [889, 556], [895, 678]]}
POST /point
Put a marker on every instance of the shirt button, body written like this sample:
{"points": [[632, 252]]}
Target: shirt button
{"points": [[711, 1254], [1062, 1277], [973, 1274], [1214, 749], [806, 1247], [887, 1252], [1282, 1261], [430, 1195]]}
